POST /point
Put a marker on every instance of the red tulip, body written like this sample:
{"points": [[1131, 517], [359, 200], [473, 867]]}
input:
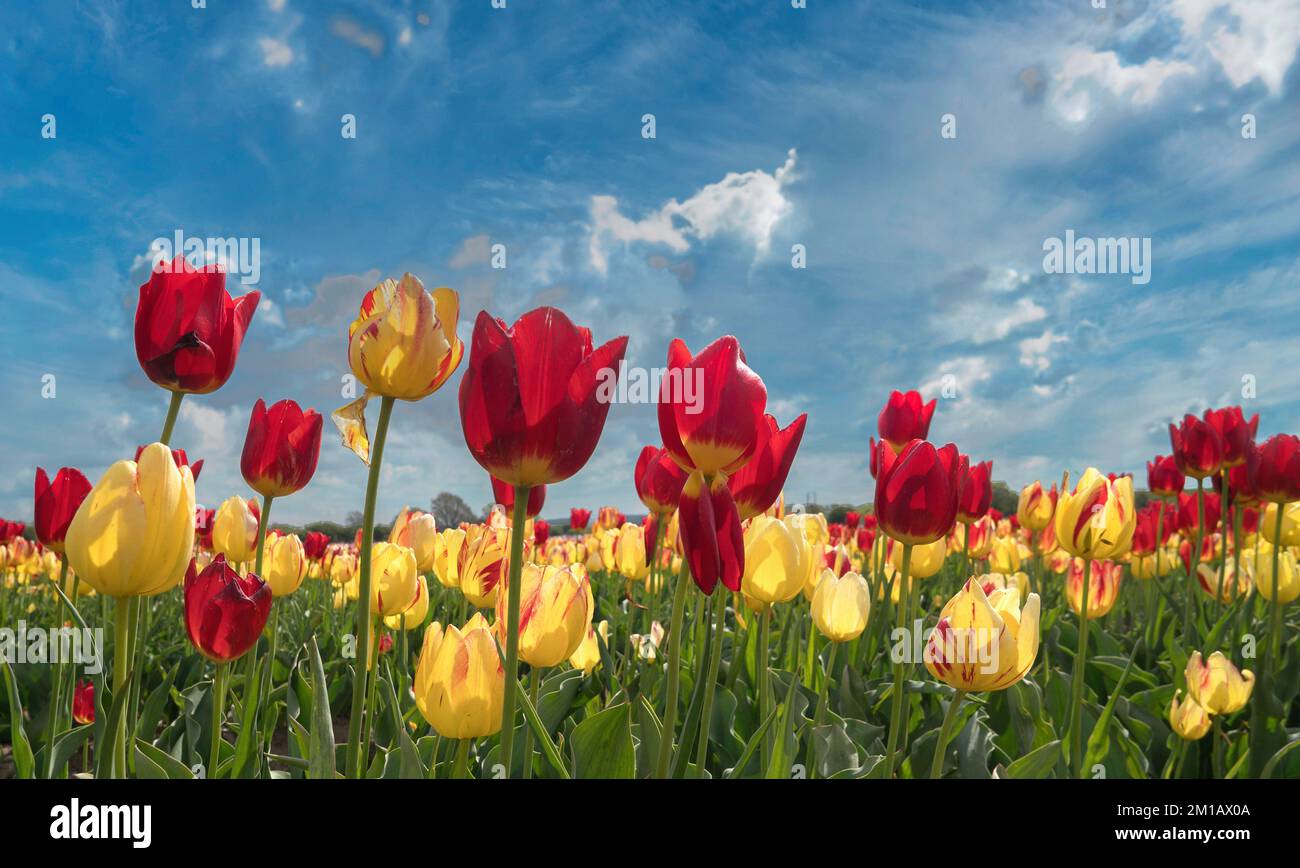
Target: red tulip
{"points": [[976, 492], [1188, 511], [1236, 433], [281, 448], [10, 529], [720, 432], [541, 532], [659, 480], [534, 399], [314, 545], [385, 643], [758, 484], [1249, 521], [224, 612], [1198, 448], [188, 329], [1144, 532], [181, 459], [1273, 468], [56, 504], [578, 518], [851, 520], [917, 490], [83, 702], [866, 538], [1163, 476], [711, 536], [1240, 488], [203, 519], [905, 418], [505, 495]]}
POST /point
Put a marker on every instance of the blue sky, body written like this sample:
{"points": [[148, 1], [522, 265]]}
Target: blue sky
{"points": [[775, 126]]}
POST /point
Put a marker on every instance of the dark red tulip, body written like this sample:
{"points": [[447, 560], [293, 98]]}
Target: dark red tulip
{"points": [[1273, 468], [181, 459], [659, 480], [203, 519], [83, 702], [56, 504], [188, 329], [385, 643], [905, 418], [1249, 520], [719, 431], [836, 560], [281, 448], [917, 490], [224, 612], [711, 536], [541, 532], [1144, 532], [757, 485], [1236, 433], [996, 514], [10, 529], [1163, 476], [505, 495], [1198, 448], [976, 492], [866, 538], [314, 545], [534, 397], [851, 520], [1188, 512], [578, 518]]}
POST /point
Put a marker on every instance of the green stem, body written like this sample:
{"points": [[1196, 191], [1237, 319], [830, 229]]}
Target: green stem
{"points": [[219, 681], [121, 658], [363, 590], [460, 770], [764, 683], [517, 522], [1275, 632], [534, 688], [376, 636], [674, 672], [1195, 561], [711, 684], [896, 724], [1223, 553], [820, 717], [56, 684], [173, 410], [945, 733], [1077, 677]]}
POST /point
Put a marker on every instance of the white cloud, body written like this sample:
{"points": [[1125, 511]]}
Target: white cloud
{"points": [[351, 31], [746, 205], [1035, 353], [274, 52], [1084, 71], [1023, 312], [1249, 38], [956, 379], [276, 5]]}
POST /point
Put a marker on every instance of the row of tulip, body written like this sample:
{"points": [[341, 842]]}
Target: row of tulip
{"points": [[615, 645]]}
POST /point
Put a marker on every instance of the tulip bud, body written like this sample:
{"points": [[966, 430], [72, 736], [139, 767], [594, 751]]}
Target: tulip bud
{"points": [[281, 448], [285, 564], [224, 611], [446, 556], [482, 565], [1290, 523], [134, 532], [234, 530], [1288, 575], [1189, 720], [775, 560], [459, 682], [1103, 587], [984, 642], [841, 606], [587, 657], [1097, 519], [554, 613], [627, 551], [417, 531], [1216, 684], [1036, 506], [393, 577], [414, 615], [56, 504], [83, 702]]}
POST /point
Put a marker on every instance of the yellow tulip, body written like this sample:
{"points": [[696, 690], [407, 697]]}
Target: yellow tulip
{"points": [[403, 344], [927, 559], [1216, 684], [1103, 587], [554, 613], [984, 642], [285, 564], [1096, 519], [446, 556], [1035, 507], [482, 565], [1188, 719], [134, 532], [1288, 578], [393, 579], [627, 552], [981, 538], [1234, 584], [1005, 556], [417, 531], [234, 531], [775, 566], [414, 615], [841, 606], [459, 682], [343, 567], [587, 657], [1290, 523]]}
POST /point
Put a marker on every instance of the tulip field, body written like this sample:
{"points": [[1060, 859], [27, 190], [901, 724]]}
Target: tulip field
{"points": [[1096, 627]]}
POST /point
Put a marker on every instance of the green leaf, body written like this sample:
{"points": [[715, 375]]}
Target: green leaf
{"points": [[246, 757], [150, 762], [24, 759], [1099, 740], [1037, 764], [409, 767], [321, 762], [602, 745], [104, 747], [750, 746], [1272, 764]]}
